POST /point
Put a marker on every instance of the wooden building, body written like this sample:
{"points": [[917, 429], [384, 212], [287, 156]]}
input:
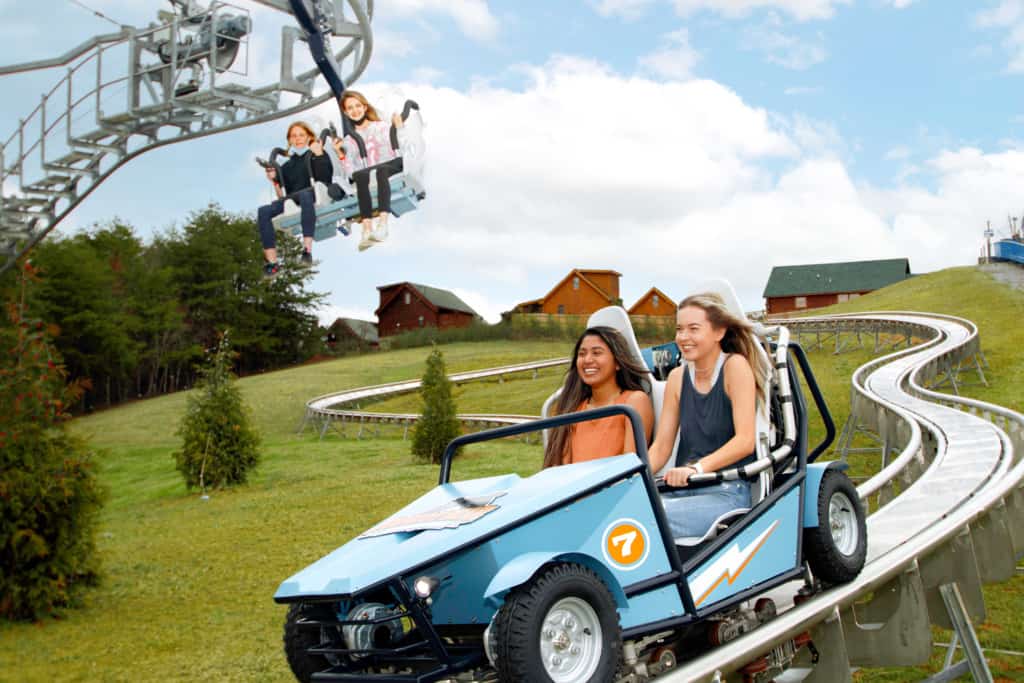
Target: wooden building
{"points": [[655, 303], [581, 292], [406, 306], [352, 333], [795, 288]]}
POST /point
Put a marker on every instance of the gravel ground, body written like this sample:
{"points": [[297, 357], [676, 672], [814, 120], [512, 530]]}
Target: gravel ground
{"points": [[1009, 273]]}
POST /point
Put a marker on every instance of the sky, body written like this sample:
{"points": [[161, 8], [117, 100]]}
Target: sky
{"points": [[673, 141]]}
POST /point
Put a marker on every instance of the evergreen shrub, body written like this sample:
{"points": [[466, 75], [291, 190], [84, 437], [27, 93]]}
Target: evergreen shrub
{"points": [[220, 444], [438, 423], [49, 497]]}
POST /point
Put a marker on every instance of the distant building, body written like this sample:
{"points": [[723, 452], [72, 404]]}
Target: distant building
{"points": [[795, 288], [654, 302], [408, 306], [581, 292], [350, 332]]}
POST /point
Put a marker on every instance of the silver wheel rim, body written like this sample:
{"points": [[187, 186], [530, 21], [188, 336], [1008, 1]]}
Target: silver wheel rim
{"points": [[570, 641], [842, 523]]}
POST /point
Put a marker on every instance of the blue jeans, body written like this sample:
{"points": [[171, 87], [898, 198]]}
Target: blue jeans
{"points": [[306, 200], [691, 512]]}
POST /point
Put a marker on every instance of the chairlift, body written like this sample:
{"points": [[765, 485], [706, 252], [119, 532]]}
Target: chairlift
{"points": [[336, 204]]}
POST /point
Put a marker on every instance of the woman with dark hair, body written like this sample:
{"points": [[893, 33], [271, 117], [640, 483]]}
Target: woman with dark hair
{"points": [[381, 160], [710, 401], [603, 372]]}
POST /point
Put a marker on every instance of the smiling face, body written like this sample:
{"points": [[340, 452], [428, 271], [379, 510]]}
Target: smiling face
{"points": [[298, 137], [354, 108], [696, 337], [595, 362]]}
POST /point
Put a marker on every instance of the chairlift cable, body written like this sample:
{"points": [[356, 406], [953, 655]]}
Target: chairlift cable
{"points": [[99, 14]]}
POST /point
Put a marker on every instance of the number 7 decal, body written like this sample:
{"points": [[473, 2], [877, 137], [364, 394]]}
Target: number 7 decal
{"points": [[625, 544]]}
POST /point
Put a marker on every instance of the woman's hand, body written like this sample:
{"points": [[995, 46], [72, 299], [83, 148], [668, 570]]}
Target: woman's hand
{"points": [[679, 476], [317, 147], [271, 174], [396, 120], [339, 147]]}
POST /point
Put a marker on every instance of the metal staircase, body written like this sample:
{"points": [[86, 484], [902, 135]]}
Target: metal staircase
{"points": [[129, 92]]}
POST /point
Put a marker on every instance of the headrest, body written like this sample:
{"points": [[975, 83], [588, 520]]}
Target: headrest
{"points": [[722, 288], [616, 318]]}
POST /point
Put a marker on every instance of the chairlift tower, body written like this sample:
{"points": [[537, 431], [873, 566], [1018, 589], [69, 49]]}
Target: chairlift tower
{"points": [[179, 78]]}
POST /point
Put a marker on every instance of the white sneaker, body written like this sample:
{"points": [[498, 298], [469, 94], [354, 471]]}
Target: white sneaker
{"points": [[379, 232], [366, 242]]}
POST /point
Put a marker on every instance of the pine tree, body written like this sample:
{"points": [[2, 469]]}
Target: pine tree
{"points": [[49, 497], [438, 423], [220, 444]]}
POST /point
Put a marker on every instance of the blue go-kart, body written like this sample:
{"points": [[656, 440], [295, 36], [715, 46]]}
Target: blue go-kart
{"points": [[571, 575]]}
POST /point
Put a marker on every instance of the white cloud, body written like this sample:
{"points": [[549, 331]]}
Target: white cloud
{"points": [[1008, 15], [901, 4], [328, 313], [675, 60], [473, 17], [783, 49], [699, 184], [898, 153], [802, 10], [488, 309], [426, 74], [624, 9], [803, 90]]}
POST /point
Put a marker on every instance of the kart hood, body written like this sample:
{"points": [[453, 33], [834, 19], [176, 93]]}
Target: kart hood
{"points": [[466, 511]]}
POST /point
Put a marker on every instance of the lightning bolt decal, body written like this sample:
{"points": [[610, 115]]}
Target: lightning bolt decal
{"points": [[728, 566]]}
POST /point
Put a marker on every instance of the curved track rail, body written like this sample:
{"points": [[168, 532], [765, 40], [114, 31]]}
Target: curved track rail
{"points": [[948, 509]]}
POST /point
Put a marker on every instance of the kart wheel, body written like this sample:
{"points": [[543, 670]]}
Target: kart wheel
{"points": [[298, 639], [562, 626], [837, 547]]}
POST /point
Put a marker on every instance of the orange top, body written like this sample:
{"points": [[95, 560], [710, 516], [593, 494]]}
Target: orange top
{"points": [[595, 439]]}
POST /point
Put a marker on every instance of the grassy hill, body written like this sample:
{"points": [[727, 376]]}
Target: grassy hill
{"points": [[188, 582]]}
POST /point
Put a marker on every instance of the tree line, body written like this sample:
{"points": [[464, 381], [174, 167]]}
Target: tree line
{"points": [[132, 319]]}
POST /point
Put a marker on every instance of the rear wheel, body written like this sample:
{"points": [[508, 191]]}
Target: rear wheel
{"points": [[299, 636], [837, 547], [560, 627]]}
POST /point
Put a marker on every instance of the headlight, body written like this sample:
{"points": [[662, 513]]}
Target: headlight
{"points": [[425, 586]]}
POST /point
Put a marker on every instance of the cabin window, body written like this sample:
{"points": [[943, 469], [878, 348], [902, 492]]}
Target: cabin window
{"points": [[800, 301], [842, 297], [655, 300], [576, 282], [421, 321], [407, 298], [854, 295], [561, 309]]}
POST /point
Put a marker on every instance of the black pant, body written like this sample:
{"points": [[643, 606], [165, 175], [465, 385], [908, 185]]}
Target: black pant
{"points": [[306, 199], [383, 173]]}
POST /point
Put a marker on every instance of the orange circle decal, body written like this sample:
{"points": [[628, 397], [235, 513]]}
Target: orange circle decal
{"points": [[625, 544]]}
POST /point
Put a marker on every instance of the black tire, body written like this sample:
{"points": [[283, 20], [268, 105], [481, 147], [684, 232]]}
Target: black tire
{"points": [[837, 547], [579, 601], [298, 639]]}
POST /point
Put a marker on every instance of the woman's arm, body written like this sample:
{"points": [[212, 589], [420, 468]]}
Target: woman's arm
{"points": [[641, 402], [661, 450]]}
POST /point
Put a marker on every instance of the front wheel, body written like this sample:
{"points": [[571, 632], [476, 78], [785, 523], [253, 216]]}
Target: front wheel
{"points": [[562, 626], [837, 547], [301, 632]]}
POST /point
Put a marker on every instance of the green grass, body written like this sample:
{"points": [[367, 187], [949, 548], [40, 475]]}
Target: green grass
{"points": [[187, 585]]}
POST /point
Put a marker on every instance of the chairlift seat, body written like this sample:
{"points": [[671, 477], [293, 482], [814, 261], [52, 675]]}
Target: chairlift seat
{"points": [[331, 215]]}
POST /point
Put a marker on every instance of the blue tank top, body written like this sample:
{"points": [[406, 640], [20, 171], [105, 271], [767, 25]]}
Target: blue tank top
{"points": [[705, 420]]}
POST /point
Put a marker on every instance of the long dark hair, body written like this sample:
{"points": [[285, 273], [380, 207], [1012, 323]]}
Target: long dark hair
{"points": [[631, 376]]}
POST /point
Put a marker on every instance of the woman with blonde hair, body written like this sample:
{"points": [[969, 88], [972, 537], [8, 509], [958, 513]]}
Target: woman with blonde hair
{"points": [[602, 372], [710, 402], [367, 150]]}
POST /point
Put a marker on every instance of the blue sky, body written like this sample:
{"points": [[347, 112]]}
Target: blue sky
{"points": [[673, 141]]}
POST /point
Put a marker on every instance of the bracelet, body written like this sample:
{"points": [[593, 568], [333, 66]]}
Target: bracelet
{"points": [[697, 467]]}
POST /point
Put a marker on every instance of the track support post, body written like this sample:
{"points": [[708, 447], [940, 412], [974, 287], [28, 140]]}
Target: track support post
{"points": [[893, 628]]}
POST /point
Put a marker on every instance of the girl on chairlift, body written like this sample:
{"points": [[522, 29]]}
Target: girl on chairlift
{"points": [[382, 161]]}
